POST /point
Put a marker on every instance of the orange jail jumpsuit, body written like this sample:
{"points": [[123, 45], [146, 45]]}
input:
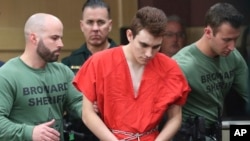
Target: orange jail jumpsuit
{"points": [[105, 78]]}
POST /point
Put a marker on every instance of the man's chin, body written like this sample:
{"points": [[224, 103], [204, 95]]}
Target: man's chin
{"points": [[54, 59], [225, 54]]}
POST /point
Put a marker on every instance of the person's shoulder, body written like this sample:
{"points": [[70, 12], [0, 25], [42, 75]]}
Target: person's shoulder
{"points": [[164, 66], [235, 54], [186, 57], [236, 57], [107, 52], [10, 67], [163, 62], [185, 50], [185, 54], [12, 62], [107, 56], [163, 58]]}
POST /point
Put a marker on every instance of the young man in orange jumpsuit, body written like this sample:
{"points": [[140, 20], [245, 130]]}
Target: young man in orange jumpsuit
{"points": [[134, 85]]}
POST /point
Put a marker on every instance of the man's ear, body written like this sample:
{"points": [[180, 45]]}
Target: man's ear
{"points": [[33, 38], [81, 25], [129, 35], [110, 25], [208, 32]]}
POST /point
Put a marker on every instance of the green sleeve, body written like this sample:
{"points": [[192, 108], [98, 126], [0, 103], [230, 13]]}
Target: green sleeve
{"points": [[9, 130], [28, 131], [14, 132], [74, 98]]}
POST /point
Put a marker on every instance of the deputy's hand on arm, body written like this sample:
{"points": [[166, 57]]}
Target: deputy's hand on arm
{"points": [[45, 132]]}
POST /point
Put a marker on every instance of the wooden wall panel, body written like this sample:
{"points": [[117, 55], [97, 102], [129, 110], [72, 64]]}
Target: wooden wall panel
{"points": [[193, 11], [14, 13], [178, 7]]}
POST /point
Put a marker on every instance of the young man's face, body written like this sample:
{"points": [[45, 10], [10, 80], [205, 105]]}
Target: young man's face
{"points": [[224, 41], [95, 25], [144, 46]]}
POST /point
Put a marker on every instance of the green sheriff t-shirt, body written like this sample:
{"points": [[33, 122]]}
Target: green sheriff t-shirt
{"points": [[210, 80], [29, 97]]}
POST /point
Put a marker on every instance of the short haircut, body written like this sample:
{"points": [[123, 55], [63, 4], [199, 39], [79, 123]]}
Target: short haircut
{"points": [[96, 3], [223, 13], [151, 19]]}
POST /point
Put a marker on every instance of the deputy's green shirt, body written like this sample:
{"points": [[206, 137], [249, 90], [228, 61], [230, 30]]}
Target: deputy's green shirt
{"points": [[29, 97], [210, 80]]}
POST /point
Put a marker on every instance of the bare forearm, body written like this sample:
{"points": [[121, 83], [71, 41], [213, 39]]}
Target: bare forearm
{"points": [[172, 125], [94, 122], [96, 125], [168, 131]]}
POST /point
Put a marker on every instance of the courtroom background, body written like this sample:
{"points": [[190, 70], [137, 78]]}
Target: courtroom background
{"points": [[14, 13]]}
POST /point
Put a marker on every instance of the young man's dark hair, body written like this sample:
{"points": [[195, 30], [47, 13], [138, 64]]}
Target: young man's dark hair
{"points": [[218, 14], [154, 26]]}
